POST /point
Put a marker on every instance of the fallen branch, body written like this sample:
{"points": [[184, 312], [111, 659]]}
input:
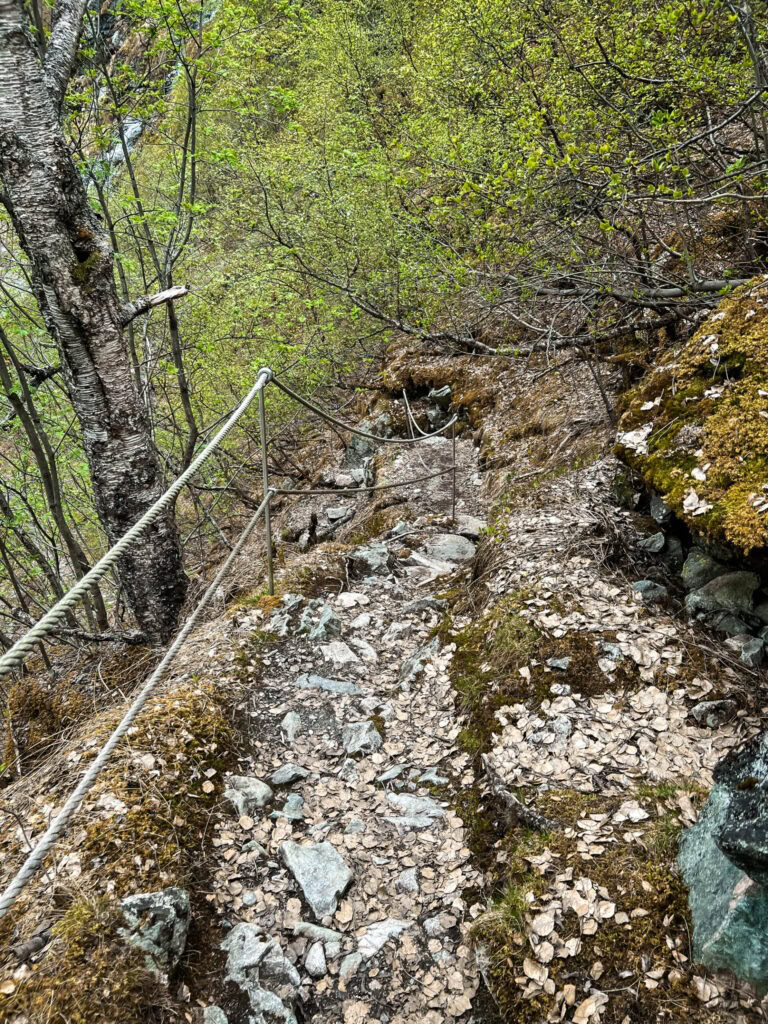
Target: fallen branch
{"points": [[517, 813], [146, 302]]}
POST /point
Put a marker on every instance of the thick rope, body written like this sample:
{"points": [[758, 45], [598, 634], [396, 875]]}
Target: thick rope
{"points": [[16, 654], [34, 861], [355, 430]]}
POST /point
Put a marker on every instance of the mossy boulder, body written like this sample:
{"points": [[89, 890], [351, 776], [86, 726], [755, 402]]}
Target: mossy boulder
{"points": [[696, 427]]}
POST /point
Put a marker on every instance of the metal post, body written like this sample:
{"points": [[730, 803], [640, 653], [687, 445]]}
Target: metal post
{"points": [[265, 482], [453, 439]]}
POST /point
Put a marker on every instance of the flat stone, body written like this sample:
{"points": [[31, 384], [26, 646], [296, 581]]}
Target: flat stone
{"points": [[407, 822], [320, 873], [157, 923], [392, 773], [426, 604], [362, 621], [469, 526], [613, 651], [268, 1008], [450, 547], [377, 935], [350, 965], [365, 650], [293, 809], [288, 773], [214, 1015], [560, 690], [339, 654], [314, 961], [355, 827], [361, 738], [559, 663], [281, 622], [407, 881], [247, 794], [291, 725], [654, 544], [338, 512], [253, 963], [431, 776], [713, 713], [315, 682], [649, 592], [329, 624], [730, 593], [416, 806], [700, 568], [351, 599]]}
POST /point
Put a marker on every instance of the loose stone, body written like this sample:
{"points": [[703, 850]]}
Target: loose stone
{"points": [[247, 794], [320, 873]]}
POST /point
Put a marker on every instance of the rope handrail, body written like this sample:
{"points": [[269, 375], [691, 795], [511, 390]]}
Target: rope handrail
{"points": [[16, 654], [35, 859]]}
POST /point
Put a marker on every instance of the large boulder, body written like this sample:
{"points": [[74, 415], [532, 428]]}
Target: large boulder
{"points": [[724, 860], [730, 593]]}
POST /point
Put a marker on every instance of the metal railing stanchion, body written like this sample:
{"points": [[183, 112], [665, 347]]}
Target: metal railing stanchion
{"points": [[267, 495]]}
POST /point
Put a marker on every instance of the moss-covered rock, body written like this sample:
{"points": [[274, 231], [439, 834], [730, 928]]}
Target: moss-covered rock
{"points": [[696, 427]]}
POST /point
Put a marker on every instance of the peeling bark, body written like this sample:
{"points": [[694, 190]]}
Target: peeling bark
{"points": [[72, 266]]}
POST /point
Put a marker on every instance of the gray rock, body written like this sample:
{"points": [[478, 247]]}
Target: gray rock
{"points": [[730, 625], [293, 809], [362, 621], [361, 738], [713, 713], [724, 860], [338, 512], [660, 510], [440, 396], [314, 961], [320, 873], [432, 927], [339, 654], [450, 547], [469, 526], [612, 651], [559, 663], [348, 771], [307, 621], [700, 568], [247, 794], [250, 898], [268, 1007], [730, 593], [355, 827], [214, 1015], [350, 965], [157, 923], [560, 690], [414, 666], [649, 591], [407, 881], [328, 625], [317, 932], [281, 622], [673, 556], [288, 773], [429, 604], [752, 653], [654, 544], [291, 725], [410, 821], [314, 682], [392, 773], [365, 650], [252, 845], [430, 776], [760, 611], [416, 806], [371, 560], [377, 935]]}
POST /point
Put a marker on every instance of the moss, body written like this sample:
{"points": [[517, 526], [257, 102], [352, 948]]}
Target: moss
{"points": [[89, 974], [39, 714], [81, 269], [711, 409]]}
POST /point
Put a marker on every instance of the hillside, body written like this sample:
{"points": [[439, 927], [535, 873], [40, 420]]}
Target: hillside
{"points": [[492, 746]]}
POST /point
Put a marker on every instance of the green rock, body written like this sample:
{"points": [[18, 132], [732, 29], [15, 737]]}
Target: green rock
{"points": [[699, 568], [649, 591], [729, 593], [654, 544]]}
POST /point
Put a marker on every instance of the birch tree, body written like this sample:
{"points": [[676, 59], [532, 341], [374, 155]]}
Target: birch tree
{"points": [[72, 271]]}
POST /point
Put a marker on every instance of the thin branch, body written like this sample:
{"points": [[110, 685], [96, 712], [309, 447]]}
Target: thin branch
{"points": [[146, 302]]}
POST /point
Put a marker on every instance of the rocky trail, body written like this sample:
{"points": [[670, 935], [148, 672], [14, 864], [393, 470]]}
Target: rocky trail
{"points": [[468, 750]]}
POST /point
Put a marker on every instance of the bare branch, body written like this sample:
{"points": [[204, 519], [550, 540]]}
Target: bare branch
{"points": [[141, 305]]}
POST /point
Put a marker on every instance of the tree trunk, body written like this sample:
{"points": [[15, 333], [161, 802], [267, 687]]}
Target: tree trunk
{"points": [[71, 260]]}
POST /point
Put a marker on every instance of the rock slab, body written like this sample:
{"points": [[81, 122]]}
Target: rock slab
{"points": [[157, 923], [320, 872]]}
